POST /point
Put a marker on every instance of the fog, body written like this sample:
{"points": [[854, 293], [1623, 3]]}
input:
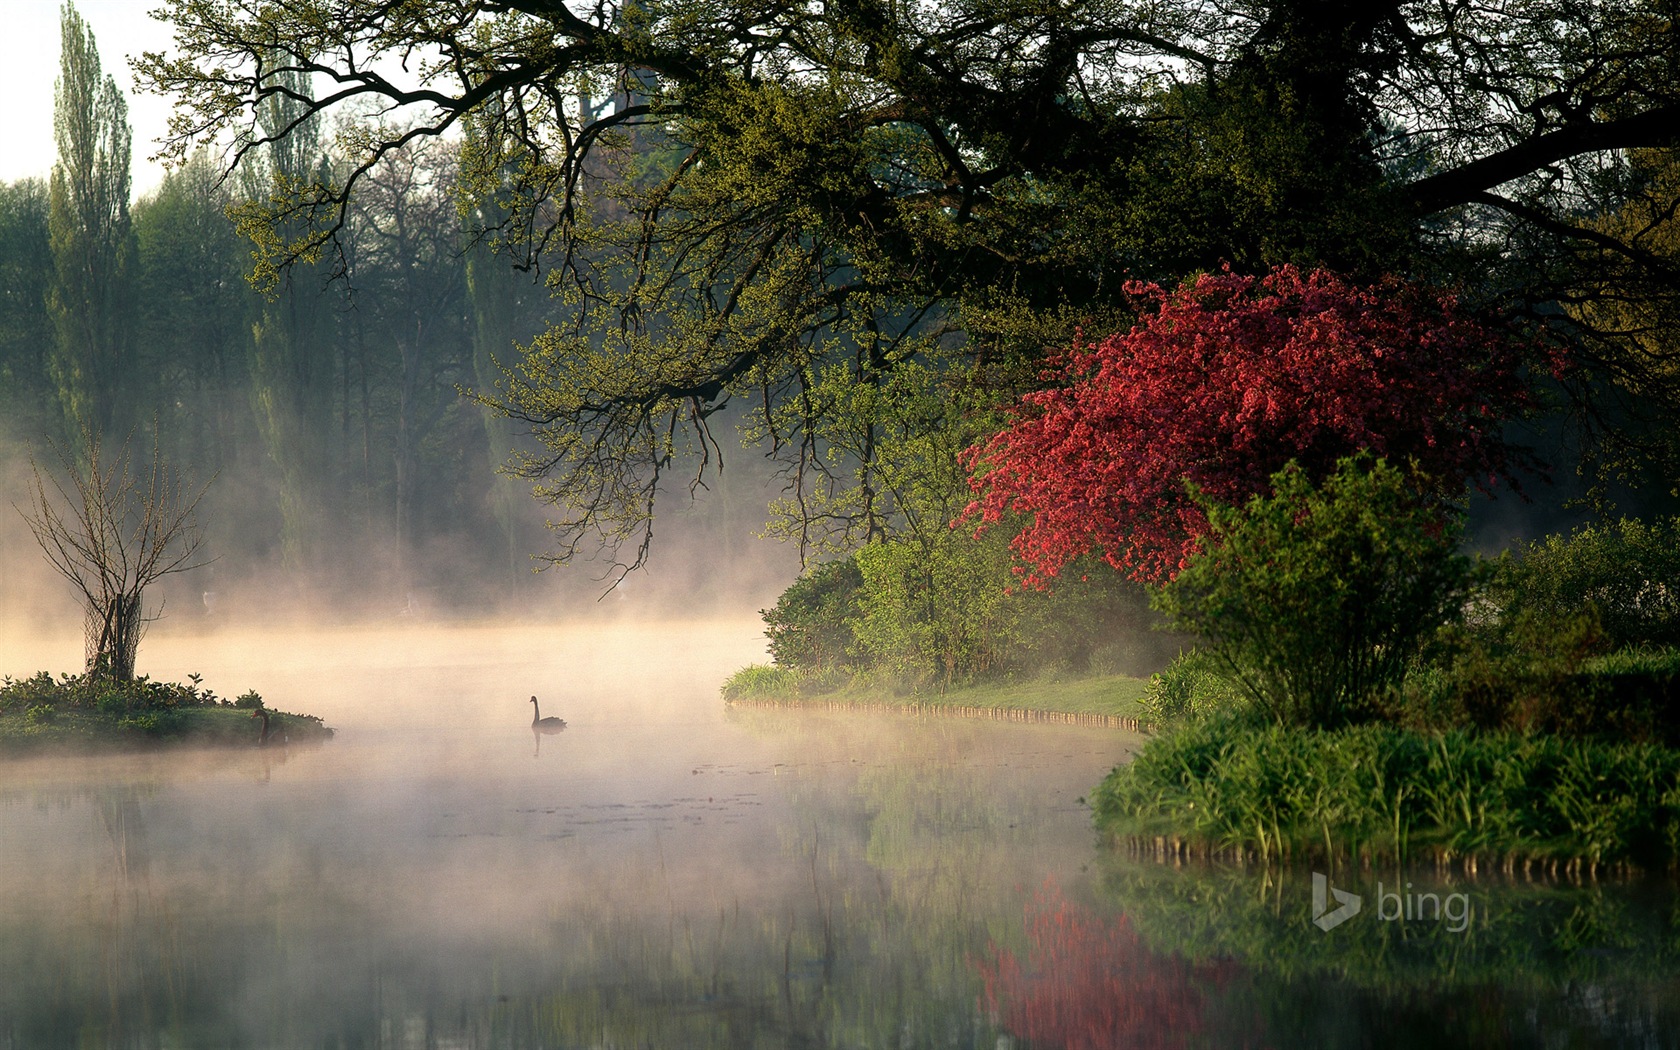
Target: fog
{"points": [[436, 874]]}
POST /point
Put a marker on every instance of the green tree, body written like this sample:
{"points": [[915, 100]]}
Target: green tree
{"points": [[937, 608], [194, 316], [410, 285], [91, 234], [1315, 600], [1624, 576], [810, 627], [27, 396], [733, 194], [498, 298], [291, 364]]}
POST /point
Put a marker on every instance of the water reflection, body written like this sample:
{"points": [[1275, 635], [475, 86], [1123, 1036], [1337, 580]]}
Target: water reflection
{"points": [[667, 874], [1532, 964], [662, 875]]}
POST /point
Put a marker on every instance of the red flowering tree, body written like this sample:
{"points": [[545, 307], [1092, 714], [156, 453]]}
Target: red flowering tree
{"points": [[1221, 383]]}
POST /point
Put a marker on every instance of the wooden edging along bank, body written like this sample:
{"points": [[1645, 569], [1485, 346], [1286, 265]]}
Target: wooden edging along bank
{"points": [[996, 714], [1180, 852]]}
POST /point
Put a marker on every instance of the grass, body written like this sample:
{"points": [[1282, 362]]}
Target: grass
{"points": [[1101, 696], [1378, 793], [76, 713]]}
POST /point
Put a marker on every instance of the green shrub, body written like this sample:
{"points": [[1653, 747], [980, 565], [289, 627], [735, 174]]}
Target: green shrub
{"points": [[1316, 601], [1631, 694], [94, 692], [1190, 689], [1626, 573], [810, 625], [936, 608]]}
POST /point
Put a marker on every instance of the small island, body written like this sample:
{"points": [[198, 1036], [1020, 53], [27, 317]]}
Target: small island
{"points": [[87, 713], [111, 528]]}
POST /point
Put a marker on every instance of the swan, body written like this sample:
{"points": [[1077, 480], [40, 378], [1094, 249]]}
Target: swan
{"points": [[540, 724], [266, 739]]}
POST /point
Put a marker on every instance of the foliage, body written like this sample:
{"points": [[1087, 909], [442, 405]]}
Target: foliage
{"points": [[761, 681], [332, 413], [27, 398], [89, 712], [1225, 380], [1315, 600], [191, 326], [1191, 689], [729, 196], [91, 234], [936, 610], [120, 530], [1624, 295], [1570, 635], [1379, 792], [810, 626], [1626, 574], [90, 691]]}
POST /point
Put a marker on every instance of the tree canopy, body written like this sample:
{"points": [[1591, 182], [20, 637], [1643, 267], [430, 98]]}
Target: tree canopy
{"points": [[733, 194]]}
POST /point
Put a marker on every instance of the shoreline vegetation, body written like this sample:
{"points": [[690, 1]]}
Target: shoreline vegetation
{"points": [[86, 714], [1359, 692], [1519, 805]]}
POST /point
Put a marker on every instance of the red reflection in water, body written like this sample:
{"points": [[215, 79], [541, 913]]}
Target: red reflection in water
{"points": [[1088, 984]]}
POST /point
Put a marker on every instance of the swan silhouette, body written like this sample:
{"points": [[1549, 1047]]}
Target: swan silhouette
{"points": [[539, 724], [268, 738]]}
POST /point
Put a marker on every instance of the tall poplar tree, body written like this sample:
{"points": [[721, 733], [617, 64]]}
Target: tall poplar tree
{"points": [[91, 236], [27, 399]]}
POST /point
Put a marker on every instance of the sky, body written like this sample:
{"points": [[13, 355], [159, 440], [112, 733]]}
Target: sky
{"points": [[29, 45]]}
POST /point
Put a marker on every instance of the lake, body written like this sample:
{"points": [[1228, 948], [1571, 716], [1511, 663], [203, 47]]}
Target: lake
{"points": [[666, 872]]}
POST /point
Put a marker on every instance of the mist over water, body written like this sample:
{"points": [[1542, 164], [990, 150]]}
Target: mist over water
{"points": [[662, 872], [668, 872]]}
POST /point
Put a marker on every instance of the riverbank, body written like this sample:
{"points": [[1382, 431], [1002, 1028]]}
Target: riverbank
{"points": [[1110, 701]]}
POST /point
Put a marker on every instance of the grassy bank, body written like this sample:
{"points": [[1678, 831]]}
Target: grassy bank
{"points": [[73, 713], [1375, 793], [1100, 699]]}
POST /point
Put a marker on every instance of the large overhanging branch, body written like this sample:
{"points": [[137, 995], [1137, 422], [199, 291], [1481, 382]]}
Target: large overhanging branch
{"points": [[1469, 181]]}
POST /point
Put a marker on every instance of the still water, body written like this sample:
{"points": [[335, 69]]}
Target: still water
{"points": [[666, 873]]}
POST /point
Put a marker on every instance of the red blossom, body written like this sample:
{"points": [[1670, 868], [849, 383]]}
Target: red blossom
{"points": [[1221, 383]]}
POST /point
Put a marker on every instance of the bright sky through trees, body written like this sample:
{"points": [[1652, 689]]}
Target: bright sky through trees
{"points": [[29, 64]]}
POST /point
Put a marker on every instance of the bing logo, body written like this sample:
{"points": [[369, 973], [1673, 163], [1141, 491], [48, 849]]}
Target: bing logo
{"points": [[1453, 909]]}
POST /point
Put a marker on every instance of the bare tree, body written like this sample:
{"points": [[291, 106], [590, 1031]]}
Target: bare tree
{"points": [[112, 530]]}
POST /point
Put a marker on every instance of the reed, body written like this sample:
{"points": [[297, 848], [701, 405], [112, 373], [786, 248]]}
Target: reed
{"points": [[1377, 793]]}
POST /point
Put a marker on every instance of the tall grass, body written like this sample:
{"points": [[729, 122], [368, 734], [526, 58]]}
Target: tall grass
{"points": [[1377, 792]]}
